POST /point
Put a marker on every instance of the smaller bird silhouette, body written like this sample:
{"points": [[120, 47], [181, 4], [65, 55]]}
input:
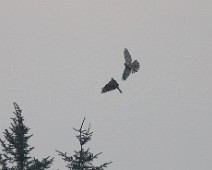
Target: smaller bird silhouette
{"points": [[112, 85], [129, 65]]}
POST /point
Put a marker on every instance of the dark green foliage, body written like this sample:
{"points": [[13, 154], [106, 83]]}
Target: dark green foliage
{"points": [[15, 147], [40, 165], [82, 159]]}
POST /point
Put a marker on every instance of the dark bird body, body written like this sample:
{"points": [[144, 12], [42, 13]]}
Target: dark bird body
{"points": [[112, 85]]}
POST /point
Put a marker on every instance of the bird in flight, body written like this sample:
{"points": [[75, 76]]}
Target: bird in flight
{"points": [[112, 85], [130, 67]]}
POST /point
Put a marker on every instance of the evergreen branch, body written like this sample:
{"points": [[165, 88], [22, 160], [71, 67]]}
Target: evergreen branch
{"points": [[65, 157]]}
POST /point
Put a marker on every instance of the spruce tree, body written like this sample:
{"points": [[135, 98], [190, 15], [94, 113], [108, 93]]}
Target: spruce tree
{"points": [[82, 159], [15, 153]]}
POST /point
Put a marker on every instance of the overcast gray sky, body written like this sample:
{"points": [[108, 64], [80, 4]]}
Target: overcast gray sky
{"points": [[55, 56]]}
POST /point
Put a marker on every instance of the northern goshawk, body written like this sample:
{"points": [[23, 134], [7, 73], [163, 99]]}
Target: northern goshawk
{"points": [[112, 85], [130, 67]]}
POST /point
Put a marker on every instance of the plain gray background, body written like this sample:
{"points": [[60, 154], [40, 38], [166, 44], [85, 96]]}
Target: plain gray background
{"points": [[55, 56]]}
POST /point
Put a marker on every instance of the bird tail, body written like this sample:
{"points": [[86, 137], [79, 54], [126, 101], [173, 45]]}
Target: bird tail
{"points": [[119, 89], [135, 66]]}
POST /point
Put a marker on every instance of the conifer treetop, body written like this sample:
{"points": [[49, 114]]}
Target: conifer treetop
{"points": [[15, 148], [82, 159]]}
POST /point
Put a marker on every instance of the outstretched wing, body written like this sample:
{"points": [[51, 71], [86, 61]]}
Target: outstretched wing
{"points": [[126, 72], [127, 56], [135, 66], [107, 88]]}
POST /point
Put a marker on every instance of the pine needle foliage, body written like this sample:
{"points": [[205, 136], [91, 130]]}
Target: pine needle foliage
{"points": [[82, 159], [15, 153]]}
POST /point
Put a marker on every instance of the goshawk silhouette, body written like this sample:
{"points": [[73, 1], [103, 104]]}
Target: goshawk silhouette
{"points": [[112, 85], [129, 65]]}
